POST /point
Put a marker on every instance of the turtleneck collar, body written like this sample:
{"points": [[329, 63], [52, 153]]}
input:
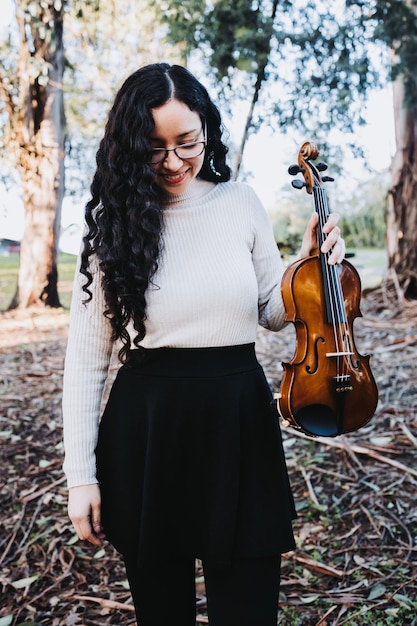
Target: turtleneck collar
{"points": [[196, 190]]}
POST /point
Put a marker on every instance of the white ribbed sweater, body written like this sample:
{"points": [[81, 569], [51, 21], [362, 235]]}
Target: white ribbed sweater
{"points": [[219, 275]]}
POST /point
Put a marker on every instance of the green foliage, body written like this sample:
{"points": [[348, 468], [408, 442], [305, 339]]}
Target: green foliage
{"points": [[101, 49], [238, 34], [324, 57], [332, 62], [184, 21], [362, 216], [318, 60], [289, 217], [396, 26], [232, 35], [365, 229]]}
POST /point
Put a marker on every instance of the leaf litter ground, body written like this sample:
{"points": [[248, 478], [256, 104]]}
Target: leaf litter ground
{"points": [[356, 560]]}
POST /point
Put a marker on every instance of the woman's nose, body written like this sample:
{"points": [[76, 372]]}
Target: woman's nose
{"points": [[172, 160]]}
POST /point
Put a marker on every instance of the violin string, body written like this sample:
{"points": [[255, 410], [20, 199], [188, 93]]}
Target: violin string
{"points": [[338, 318], [321, 210], [335, 296], [346, 339], [323, 214], [344, 332]]}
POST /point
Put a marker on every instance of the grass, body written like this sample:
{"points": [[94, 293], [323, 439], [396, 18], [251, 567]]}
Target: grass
{"points": [[371, 265], [9, 271]]}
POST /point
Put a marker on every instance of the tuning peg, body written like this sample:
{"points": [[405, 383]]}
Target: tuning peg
{"points": [[298, 184], [321, 166], [327, 179], [294, 169]]}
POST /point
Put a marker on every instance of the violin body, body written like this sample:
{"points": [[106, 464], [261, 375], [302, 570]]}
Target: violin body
{"points": [[327, 388], [315, 396]]}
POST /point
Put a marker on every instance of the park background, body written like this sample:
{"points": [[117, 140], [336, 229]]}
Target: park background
{"points": [[356, 530]]}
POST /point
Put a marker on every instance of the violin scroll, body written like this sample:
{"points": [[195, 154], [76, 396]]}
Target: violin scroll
{"points": [[311, 173]]}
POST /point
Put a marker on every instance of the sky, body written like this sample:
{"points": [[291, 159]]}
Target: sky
{"points": [[278, 151], [266, 158]]}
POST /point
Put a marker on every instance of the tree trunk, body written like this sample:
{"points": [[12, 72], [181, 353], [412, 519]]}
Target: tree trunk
{"points": [[260, 77], [402, 199], [38, 128], [249, 121]]}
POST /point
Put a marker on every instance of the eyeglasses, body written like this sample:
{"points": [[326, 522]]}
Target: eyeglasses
{"points": [[184, 151]]}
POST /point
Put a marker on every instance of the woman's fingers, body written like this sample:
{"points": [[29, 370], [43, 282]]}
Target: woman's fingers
{"points": [[334, 242], [84, 511]]}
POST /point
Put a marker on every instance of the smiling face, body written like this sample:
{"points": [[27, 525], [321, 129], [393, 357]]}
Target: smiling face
{"points": [[176, 124]]}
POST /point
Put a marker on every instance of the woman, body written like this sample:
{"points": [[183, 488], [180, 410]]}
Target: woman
{"points": [[178, 267]]}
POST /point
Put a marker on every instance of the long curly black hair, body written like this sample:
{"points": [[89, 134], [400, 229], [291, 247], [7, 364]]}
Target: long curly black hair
{"points": [[124, 215]]}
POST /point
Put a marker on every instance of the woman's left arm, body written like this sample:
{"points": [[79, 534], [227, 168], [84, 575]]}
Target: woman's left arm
{"points": [[333, 240]]}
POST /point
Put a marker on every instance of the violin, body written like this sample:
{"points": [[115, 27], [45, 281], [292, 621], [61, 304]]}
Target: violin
{"points": [[327, 388]]}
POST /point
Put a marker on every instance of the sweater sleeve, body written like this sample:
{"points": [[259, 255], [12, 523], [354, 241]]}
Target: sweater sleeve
{"points": [[86, 367], [269, 269]]}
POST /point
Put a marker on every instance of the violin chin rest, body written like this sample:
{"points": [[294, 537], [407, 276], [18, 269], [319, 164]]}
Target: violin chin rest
{"points": [[318, 420]]}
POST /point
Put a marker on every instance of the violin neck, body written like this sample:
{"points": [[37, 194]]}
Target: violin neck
{"points": [[333, 295], [322, 209]]}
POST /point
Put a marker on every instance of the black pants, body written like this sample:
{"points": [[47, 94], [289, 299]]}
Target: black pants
{"points": [[246, 594]]}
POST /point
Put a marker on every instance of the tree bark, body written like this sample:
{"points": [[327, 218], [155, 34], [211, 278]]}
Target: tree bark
{"points": [[402, 198], [37, 138], [249, 121], [260, 77]]}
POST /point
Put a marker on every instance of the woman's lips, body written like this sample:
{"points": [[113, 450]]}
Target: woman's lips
{"points": [[174, 179]]}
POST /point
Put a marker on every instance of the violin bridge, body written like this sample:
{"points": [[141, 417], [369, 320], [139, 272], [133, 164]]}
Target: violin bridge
{"points": [[339, 353], [342, 383]]}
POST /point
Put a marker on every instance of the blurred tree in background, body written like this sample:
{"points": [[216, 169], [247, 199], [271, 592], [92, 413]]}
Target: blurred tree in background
{"points": [[316, 62], [305, 66], [105, 42], [101, 48], [31, 89], [362, 212]]}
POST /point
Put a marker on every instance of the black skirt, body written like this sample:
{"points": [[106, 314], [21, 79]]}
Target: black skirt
{"points": [[190, 458]]}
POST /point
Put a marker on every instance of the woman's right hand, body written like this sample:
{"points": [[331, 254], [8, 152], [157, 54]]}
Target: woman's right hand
{"points": [[84, 511]]}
